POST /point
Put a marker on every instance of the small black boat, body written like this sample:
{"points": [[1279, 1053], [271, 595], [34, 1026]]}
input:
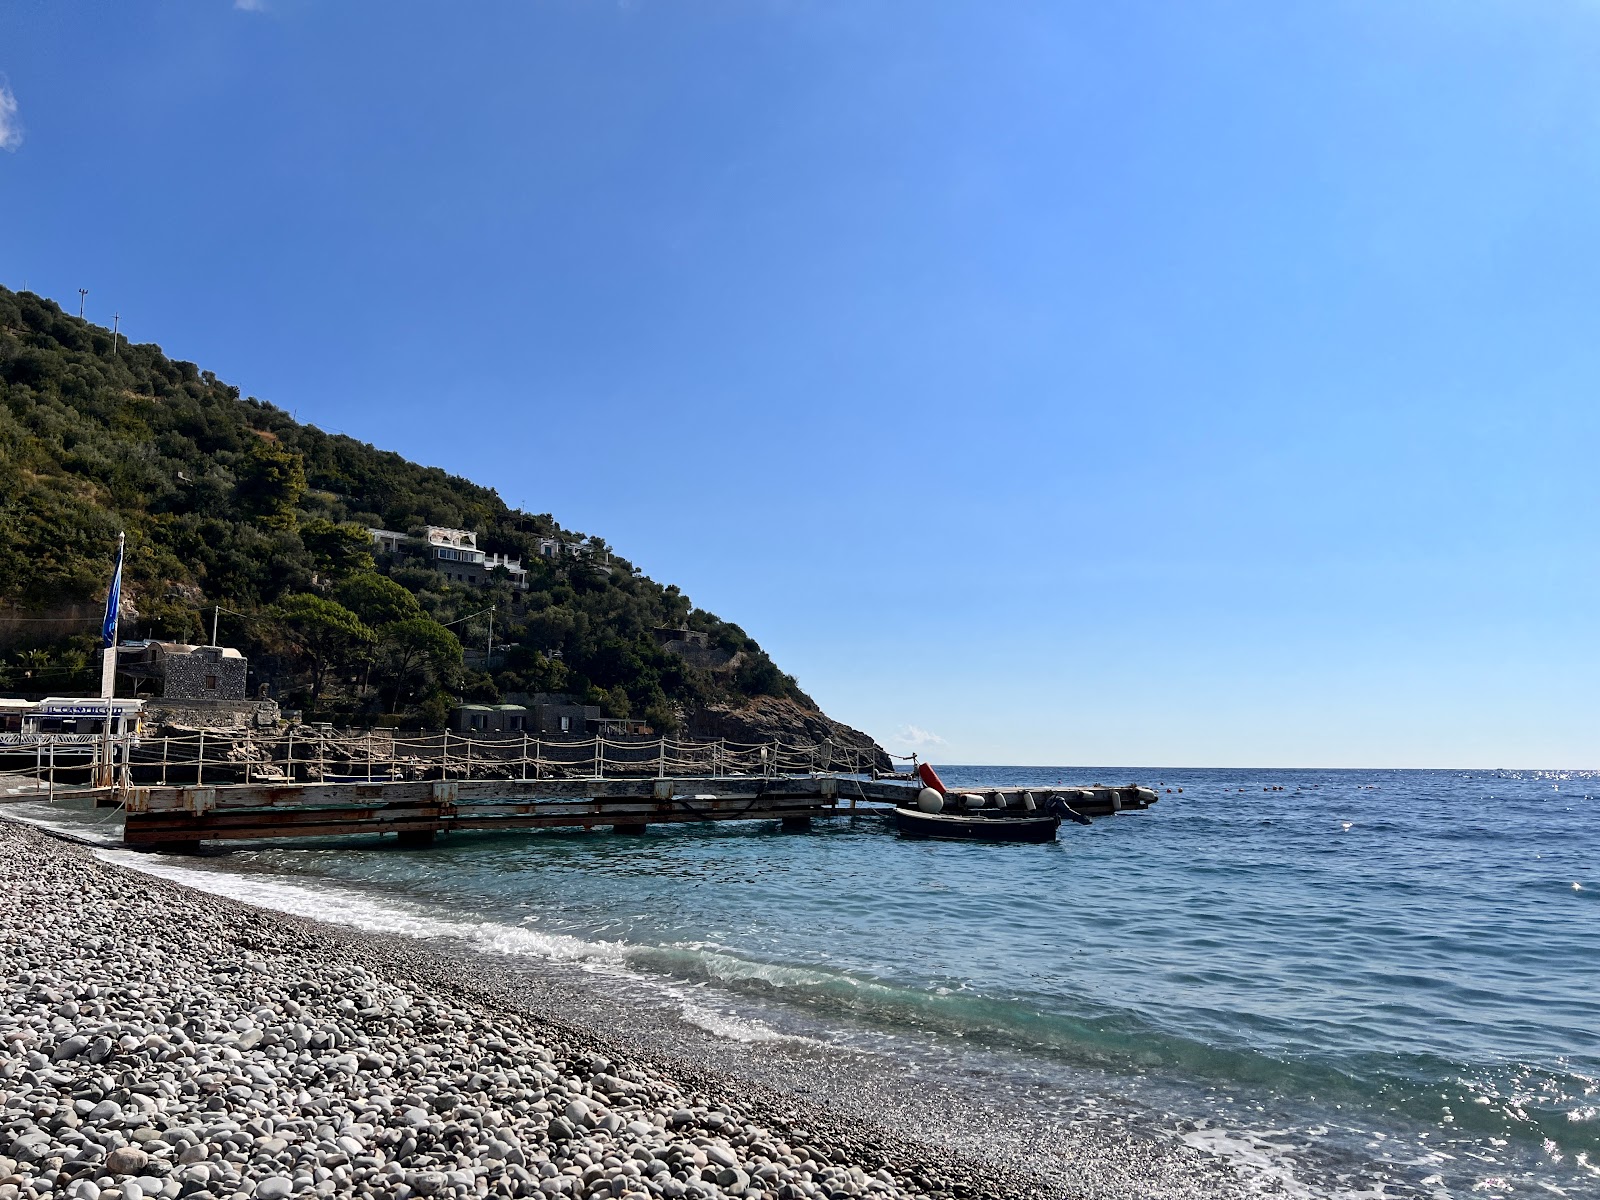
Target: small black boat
{"points": [[979, 818], [984, 825]]}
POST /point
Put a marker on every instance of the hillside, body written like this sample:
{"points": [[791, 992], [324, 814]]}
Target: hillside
{"points": [[228, 501]]}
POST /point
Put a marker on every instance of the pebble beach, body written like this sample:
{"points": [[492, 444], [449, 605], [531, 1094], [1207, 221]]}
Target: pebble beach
{"points": [[162, 1042]]}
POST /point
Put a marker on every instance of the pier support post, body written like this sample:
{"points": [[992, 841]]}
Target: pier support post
{"points": [[191, 846], [412, 838], [796, 824]]}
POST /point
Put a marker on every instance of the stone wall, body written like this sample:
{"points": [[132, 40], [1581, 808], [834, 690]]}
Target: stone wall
{"points": [[205, 673], [211, 714]]}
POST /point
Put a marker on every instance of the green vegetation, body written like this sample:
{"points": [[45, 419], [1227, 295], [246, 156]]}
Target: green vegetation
{"points": [[228, 501]]}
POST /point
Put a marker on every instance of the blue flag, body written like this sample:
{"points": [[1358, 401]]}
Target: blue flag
{"points": [[108, 627]]}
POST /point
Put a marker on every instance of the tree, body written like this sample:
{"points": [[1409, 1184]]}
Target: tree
{"points": [[377, 599], [417, 654], [230, 500], [616, 702], [271, 481], [320, 634], [337, 551]]}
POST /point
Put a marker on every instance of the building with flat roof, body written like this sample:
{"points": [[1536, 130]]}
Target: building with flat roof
{"points": [[387, 541], [489, 718], [454, 554], [183, 672]]}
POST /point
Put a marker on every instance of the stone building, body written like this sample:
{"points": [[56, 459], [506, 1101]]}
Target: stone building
{"points": [[182, 672], [198, 687]]}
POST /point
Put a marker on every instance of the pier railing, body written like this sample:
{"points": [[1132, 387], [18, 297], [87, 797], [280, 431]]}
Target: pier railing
{"points": [[311, 755]]}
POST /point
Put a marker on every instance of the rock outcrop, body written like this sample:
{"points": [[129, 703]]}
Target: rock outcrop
{"points": [[772, 718]]}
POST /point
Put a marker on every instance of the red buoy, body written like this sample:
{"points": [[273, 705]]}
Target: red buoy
{"points": [[930, 778]]}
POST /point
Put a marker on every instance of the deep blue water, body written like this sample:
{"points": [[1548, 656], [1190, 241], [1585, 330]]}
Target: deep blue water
{"points": [[1383, 977]]}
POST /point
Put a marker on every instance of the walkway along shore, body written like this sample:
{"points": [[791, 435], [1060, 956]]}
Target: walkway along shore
{"points": [[164, 1042]]}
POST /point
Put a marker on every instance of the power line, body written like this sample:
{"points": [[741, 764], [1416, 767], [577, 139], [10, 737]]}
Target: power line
{"points": [[468, 617]]}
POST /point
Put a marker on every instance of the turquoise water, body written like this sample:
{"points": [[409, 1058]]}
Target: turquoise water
{"points": [[1387, 978]]}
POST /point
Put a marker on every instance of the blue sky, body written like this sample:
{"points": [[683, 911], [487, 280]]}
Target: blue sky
{"points": [[1046, 383]]}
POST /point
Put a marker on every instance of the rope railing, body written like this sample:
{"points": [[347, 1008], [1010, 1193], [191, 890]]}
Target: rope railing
{"points": [[302, 755]]}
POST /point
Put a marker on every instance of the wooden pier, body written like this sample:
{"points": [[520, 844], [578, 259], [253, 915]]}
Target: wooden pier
{"points": [[417, 811], [179, 791]]}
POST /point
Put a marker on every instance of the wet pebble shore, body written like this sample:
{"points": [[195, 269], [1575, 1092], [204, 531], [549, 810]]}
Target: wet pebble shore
{"points": [[157, 1042]]}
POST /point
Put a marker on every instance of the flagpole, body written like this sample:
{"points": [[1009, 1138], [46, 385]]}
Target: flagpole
{"points": [[108, 664]]}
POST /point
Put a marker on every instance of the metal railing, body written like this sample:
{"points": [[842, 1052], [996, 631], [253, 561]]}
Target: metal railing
{"points": [[301, 755]]}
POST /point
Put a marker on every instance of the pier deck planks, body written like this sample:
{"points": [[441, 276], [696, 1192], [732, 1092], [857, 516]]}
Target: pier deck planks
{"points": [[420, 809]]}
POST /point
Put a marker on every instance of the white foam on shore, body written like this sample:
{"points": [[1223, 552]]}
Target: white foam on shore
{"points": [[731, 1027], [102, 831], [342, 906], [339, 906], [1268, 1167]]}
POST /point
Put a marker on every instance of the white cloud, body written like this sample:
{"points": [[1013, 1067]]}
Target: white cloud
{"points": [[916, 738], [250, 5], [10, 127]]}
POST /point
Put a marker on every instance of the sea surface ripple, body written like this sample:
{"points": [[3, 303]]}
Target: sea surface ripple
{"points": [[1353, 982]]}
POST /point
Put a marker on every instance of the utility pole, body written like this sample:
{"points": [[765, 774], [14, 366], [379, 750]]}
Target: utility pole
{"points": [[488, 650], [116, 322], [82, 293], [216, 615]]}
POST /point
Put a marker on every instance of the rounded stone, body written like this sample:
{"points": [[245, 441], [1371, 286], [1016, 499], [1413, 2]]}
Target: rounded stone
{"points": [[126, 1160]]}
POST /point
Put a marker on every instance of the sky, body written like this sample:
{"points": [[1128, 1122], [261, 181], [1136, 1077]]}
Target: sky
{"points": [[1058, 383]]}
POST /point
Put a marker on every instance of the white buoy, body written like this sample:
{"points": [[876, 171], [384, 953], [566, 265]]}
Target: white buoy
{"points": [[972, 800], [929, 801]]}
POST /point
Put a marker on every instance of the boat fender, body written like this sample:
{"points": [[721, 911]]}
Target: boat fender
{"points": [[1001, 800], [972, 800], [1116, 800], [1146, 795], [1029, 804], [930, 778], [929, 801]]}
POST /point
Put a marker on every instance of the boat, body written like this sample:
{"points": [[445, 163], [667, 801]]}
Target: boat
{"points": [[981, 826], [975, 817]]}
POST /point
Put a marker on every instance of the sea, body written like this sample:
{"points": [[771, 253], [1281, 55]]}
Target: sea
{"points": [[1346, 983]]}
